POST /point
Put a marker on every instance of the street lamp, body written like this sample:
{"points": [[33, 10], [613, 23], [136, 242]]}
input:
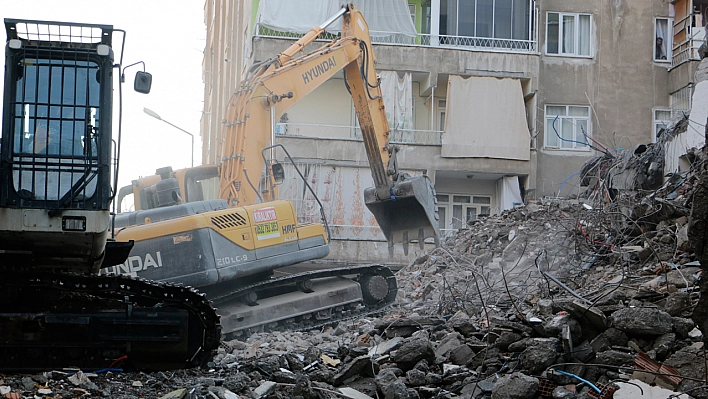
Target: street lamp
{"points": [[156, 116]]}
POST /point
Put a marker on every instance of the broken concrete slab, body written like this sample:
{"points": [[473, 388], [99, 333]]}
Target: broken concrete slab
{"points": [[515, 386], [353, 393], [642, 321], [385, 347]]}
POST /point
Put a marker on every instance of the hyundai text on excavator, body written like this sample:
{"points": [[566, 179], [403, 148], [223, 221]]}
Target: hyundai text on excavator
{"points": [[56, 173], [228, 241]]}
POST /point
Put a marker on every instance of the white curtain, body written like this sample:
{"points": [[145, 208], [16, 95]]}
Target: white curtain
{"points": [[299, 16], [398, 99], [568, 34], [485, 118], [508, 192], [584, 34], [662, 32]]}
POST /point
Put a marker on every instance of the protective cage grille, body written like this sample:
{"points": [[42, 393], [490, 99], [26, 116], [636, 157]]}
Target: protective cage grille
{"points": [[45, 31], [55, 112]]}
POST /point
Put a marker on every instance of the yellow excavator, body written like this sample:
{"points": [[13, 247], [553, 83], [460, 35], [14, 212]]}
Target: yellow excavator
{"points": [[222, 228]]}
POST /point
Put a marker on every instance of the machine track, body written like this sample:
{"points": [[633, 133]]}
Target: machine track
{"points": [[240, 308], [58, 320]]}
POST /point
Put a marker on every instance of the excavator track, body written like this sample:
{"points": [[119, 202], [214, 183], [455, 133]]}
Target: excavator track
{"points": [[59, 320], [306, 300]]}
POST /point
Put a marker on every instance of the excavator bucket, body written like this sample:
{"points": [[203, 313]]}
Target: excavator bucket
{"points": [[408, 214]]}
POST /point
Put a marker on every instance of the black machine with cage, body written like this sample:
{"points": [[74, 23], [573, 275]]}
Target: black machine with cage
{"points": [[58, 166], [55, 159]]}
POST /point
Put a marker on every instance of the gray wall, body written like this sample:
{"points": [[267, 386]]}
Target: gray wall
{"points": [[622, 82]]}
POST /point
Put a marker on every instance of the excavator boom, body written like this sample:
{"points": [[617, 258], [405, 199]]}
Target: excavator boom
{"points": [[403, 205]]}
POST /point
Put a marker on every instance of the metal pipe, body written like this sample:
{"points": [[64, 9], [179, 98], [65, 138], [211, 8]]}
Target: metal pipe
{"points": [[329, 22]]}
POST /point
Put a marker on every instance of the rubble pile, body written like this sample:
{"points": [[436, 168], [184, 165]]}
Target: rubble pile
{"points": [[587, 297]]}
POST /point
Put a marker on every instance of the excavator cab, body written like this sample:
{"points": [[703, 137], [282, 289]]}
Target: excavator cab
{"points": [[56, 146]]}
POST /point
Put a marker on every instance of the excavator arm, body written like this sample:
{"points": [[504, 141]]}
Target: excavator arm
{"points": [[401, 204]]}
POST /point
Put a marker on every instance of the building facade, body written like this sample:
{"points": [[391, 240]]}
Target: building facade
{"points": [[497, 101]]}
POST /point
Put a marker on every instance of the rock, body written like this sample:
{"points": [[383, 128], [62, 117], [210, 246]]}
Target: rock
{"points": [[269, 364], [616, 337], [353, 393], [554, 327], [390, 386], [265, 389], [237, 382], [366, 385], [355, 367], [294, 362], [677, 303], [688, 362], [680, 278], [415, 377], [539, 354], [385, 347], [642, 321], [614, 358], [515, 386], [682, 326], [462, 323], [28, 383], [562, 393], [284, 377], [448, 343], [412, 352], [230, 395], [663, 345], [507, 338], [461, 355], [433, 379], [600, 343], [176, 394], [588, 317]]}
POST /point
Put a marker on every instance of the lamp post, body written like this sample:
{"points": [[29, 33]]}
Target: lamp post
{"points": [[156, 116]]}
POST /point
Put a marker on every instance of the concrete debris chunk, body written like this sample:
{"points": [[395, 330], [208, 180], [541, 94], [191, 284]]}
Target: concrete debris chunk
{"points": [[385, 347], [515, 386], [353, 393], [176, 394], [642, 321], [265, 389]]}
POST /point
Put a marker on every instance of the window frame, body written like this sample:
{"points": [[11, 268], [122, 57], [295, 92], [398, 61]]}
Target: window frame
{"points": [[576, 41], [577, 134], [656, 122], [669, 34]]}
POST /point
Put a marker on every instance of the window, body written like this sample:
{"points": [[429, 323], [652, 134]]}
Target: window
{"points": [[499, 19], [680, 101], [568, 34], [567, 127], [456, 210], [663, 38], [411, 9], [661, 121], [441, 114]]}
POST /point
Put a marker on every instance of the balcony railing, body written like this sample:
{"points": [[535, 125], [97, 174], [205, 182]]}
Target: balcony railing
{"points": [[423, 40], [688, 50], [398, 136]]}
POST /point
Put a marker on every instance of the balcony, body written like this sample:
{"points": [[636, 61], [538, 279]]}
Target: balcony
{"points": [[398, 136], [687, 50], [422, 40]]}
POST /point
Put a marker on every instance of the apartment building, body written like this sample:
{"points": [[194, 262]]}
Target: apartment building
{"points": [[497, 101]]}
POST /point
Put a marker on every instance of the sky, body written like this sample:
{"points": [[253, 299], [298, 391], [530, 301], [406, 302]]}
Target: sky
{"points": [[169, 36]]}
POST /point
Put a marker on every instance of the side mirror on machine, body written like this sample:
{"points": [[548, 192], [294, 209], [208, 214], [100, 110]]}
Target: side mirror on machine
{"points": [[143, 81], [278, 172]]}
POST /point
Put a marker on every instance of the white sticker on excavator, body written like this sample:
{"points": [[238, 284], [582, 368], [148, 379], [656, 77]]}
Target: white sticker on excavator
{"points": [[133, 265], [267, 223]]}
